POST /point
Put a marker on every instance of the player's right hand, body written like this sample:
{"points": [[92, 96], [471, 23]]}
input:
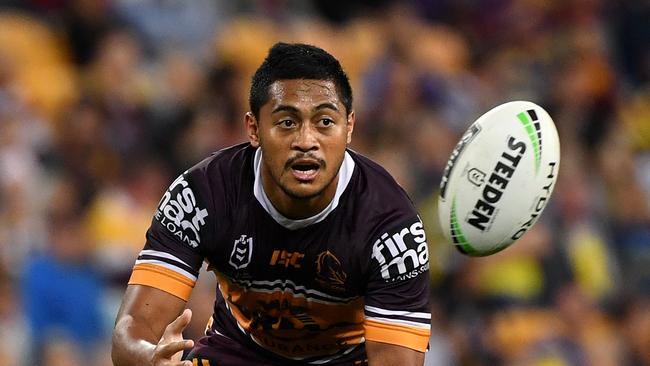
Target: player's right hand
{"points": [[169, 350]]}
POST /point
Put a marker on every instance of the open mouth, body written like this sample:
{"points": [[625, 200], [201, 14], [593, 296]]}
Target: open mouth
{"points": [[305, 170]]}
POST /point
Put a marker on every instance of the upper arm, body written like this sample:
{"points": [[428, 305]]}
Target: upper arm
{"points": [[384, 354], [167, 269], [397, 310], [176, 240]]}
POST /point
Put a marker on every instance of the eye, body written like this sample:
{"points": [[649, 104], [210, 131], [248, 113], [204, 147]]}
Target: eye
{"points": [[326, 122], [286, 123]]}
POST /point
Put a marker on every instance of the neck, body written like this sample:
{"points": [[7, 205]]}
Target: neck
{"points": [[297, 208]]}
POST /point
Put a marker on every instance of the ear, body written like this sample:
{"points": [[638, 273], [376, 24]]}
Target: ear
{"points": [[350, 126], [252, 129]]}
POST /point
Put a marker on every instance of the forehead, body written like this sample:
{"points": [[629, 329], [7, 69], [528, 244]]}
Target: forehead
{"points": [[302, 91]]}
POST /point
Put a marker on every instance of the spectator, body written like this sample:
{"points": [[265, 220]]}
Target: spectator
{"points": [[88, 88], [14, 336], [63, 293]]}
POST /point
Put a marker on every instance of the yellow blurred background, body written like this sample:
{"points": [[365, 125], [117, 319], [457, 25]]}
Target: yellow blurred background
{"points": [[103, 102]]}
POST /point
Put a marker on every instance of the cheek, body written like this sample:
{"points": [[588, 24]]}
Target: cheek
{"points": [[335, 152], [276, 140], [339, 142], [271, 144], [274, 157]]}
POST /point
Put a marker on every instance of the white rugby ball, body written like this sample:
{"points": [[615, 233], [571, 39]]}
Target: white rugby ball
{"points": [[499, 178]]}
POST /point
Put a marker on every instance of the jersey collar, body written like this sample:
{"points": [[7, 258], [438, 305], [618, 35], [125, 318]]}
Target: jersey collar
{"points": [[345, 174]]}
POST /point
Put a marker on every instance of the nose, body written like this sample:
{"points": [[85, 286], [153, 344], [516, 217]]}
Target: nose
{"points": [[305, 138]]}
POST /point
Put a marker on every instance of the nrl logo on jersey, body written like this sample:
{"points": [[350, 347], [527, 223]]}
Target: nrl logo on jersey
{"points": [[402, 253], [242, 252], [179, 213]]}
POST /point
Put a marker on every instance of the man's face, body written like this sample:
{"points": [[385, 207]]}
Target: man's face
{"points": [[303, 131]]}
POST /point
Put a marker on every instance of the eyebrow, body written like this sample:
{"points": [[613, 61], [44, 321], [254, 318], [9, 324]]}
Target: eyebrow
{"points": [[288, 108], [326, 105]]}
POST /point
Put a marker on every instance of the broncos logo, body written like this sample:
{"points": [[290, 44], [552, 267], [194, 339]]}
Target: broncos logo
{"points": [[329, 271]]}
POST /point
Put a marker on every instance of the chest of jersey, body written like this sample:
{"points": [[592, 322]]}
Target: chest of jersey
{"points": [[322, 258], [299, 285]]}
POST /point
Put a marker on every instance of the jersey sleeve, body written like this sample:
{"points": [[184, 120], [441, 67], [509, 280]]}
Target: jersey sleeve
{"points": [[172, 255], [397, 309]]}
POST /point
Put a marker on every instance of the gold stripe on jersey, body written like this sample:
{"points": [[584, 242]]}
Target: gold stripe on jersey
{"points": [[195, 362], [401, 335], [163, 279]]}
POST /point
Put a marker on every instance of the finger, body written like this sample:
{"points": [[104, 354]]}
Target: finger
{"points": [[182, 363], [172, 348], [179, 324]]}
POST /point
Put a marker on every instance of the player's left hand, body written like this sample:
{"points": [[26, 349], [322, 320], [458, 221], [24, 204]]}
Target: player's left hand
{"points": [[169, 349]]}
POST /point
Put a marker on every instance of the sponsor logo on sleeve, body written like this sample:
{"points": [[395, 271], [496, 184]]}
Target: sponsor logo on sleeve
{"points": [[402, 253], [180, 213]]}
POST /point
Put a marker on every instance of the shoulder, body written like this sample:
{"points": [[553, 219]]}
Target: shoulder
{"points": [[206, 192], [224, 171], [377, 190], [394, 251], [225, 161]]}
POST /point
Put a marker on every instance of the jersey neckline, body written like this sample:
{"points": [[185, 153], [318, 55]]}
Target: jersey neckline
{"points": [[345, 174]]}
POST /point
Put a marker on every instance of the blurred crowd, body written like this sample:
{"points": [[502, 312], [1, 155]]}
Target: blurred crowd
{"points": [[104, 102]]}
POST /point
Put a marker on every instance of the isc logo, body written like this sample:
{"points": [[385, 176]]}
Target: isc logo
{"points": [[282, 257], [402, 253]]}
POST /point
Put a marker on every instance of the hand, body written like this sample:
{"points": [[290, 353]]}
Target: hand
{"points": [[169, 350]]}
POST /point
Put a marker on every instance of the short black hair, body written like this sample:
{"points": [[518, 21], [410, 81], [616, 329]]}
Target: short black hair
{"points": [[287, 61]]}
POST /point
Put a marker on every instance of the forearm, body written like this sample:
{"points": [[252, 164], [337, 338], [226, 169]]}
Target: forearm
{"points": [[383, 354], [148, 329], [133, 343]]}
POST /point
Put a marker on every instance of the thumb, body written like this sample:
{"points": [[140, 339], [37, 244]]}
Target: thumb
{"points": [[179, 324]]}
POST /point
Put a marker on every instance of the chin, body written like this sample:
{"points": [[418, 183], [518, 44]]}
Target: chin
{"points": [[302, 191], [303, 194]]}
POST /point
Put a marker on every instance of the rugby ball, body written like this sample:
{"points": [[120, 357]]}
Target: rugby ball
{"points": [[499, 178]]}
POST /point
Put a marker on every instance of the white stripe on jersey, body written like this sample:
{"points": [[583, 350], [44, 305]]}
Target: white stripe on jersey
{"points": [[180, 271], [231, 312], [400, 321], [221, 334], [326, 360], [399, 313], [296, 294], [157, 253], [282, 285]]}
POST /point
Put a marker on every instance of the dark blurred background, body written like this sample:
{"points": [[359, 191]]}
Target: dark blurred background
{"points": [[104, 102]]}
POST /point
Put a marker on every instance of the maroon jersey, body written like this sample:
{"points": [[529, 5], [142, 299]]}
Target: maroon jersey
{"points": [[310, 290]]}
